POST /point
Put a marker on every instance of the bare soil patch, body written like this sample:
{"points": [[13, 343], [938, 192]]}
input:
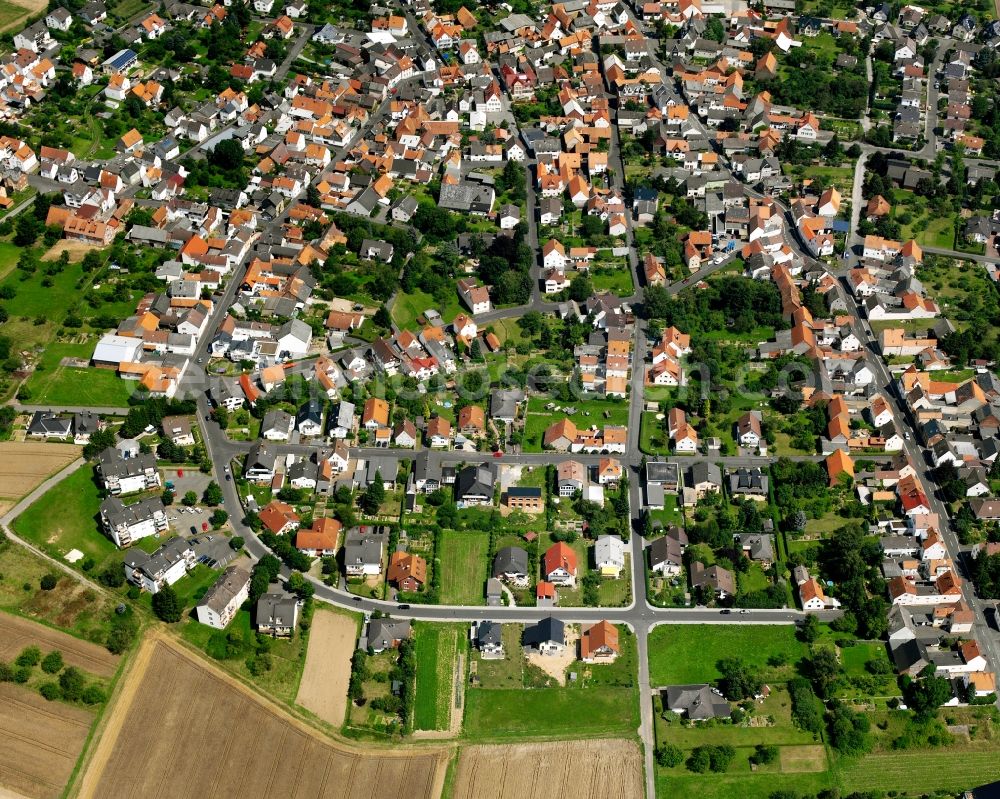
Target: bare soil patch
{"points": [[323, 688], [75, 249], [40, 742], [611, 769], [26, 464], [17, 633], [182, 728], [555, 665]]}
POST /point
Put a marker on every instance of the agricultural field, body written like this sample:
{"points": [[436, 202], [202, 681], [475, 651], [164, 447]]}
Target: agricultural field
{"points": [[463, 567], [17, 633], [13, 15], [40, 742], [688, 653], [438, 648], [24, 465], [607, 768], [323, 689], [155, 722]]}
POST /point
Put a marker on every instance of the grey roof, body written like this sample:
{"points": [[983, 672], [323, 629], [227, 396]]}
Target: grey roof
{"points": [[510, 560], [548, 630], [475, 481], [153, 565], [47, 423], [665, 550], [383, 632], [697, 702], [489, 632], [230, 583], [761, 546], [662, 472], [276, 610], [116, 514], [112, 464], [362, 546]]}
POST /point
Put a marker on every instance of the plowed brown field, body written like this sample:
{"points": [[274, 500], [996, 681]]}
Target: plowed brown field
{"points": [[611, 769], [17, 633], [40, 742], [180, 728]]}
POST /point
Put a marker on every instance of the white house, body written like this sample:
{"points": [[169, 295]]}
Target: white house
{"points": [[223, 600], [165, 566], [609, 555]]}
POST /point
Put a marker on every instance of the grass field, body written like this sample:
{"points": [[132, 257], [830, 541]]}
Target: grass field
{"points": [[437, 657], [688, 653], [739, 782], [65, 518], [947, 769], [550, 713], [52, 384], [12, 15], [463, 567], [617, 280], [589, 412], [409, 305]]}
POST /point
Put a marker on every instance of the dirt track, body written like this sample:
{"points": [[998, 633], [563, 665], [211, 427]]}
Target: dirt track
{"points": [[323, 688], [610, 769], [40, 742], [17, 633], [181, 728]]}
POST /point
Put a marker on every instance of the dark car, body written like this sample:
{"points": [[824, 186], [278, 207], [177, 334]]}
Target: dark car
{"points": [[404, 607], [725, 611]]}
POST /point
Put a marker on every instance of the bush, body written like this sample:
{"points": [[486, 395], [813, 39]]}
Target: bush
{"points": [[258, 664], [93, 695], [113, 576], [166, 605], [72, 683], [764, 754], [22, 674], [50, 691], [669, 756], [236, 543], [48, 582], [6, 672], [30, 656], [52, 663]]}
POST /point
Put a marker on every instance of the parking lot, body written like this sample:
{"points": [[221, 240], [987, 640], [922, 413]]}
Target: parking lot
{"points": [[190, 480], [213, 549]]}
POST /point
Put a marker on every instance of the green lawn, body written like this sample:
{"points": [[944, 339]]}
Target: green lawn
{"points": [[940, 233], [599, 412], [617, 280], [688, 653], [550, 713], [9, 253], [463, 558], [65, 518], [739, 782], [409, 305], [437, 647], [52, 384]]}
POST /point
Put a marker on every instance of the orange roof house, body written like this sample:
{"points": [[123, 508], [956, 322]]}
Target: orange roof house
{"points": [[599, 641], [560, 557], [838, 463], [408, 572], [322, 537]]}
